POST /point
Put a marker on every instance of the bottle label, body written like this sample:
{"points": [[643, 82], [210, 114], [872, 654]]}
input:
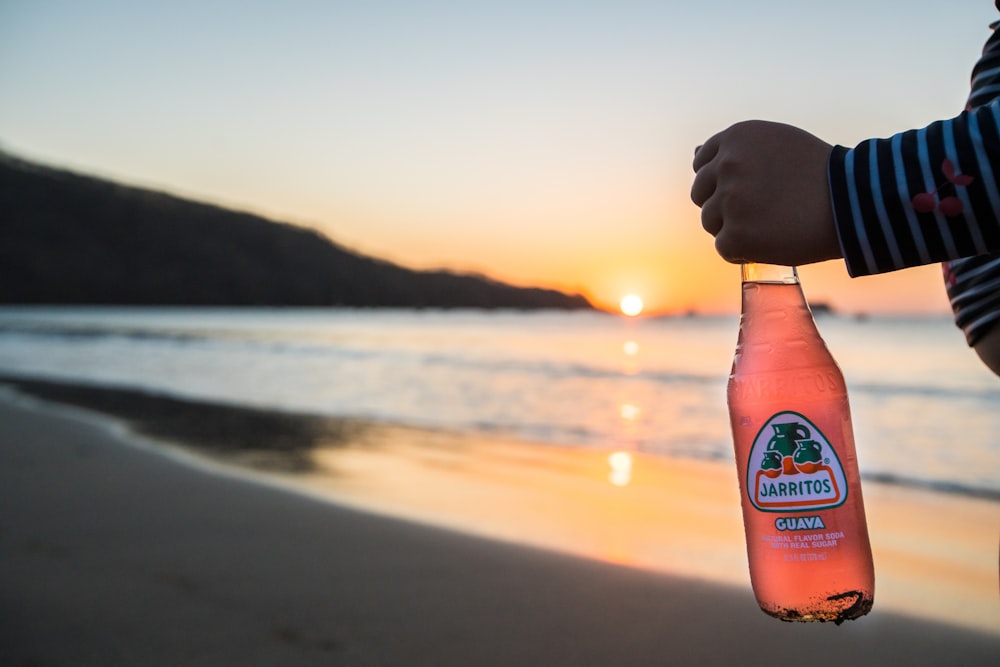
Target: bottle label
{"points": [[793, 467]]}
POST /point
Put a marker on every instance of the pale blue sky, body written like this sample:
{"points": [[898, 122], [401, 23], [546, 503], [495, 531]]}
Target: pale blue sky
{"points": [[541, 142]]}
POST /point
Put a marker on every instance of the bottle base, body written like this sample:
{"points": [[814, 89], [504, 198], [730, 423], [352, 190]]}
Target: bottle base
{"points": [[838, 608]]}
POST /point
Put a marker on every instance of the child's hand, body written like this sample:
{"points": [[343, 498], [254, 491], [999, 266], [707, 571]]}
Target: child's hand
{"points": [[764, 195]]}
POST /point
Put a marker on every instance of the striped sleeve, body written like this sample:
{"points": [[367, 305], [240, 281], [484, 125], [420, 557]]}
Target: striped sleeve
{"points": [[922, 196], [974, 292]]}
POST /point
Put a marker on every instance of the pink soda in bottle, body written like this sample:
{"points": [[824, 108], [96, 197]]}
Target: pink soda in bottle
{"points": [[806, 535]]}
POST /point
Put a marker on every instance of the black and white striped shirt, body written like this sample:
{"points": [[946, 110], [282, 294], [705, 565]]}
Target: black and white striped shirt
{"points": [[931, 195]]}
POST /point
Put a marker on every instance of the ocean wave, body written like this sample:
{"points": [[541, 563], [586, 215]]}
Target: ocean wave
{"points": [[81, 331], [556, 370], [490, 364], [941, 391], [451, 359], [936, 485]]}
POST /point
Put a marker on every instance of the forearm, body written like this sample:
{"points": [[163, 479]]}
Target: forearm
{"points": [[921, 196]]}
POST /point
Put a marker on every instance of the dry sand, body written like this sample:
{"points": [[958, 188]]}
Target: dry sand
{"points": [[112, 553]]}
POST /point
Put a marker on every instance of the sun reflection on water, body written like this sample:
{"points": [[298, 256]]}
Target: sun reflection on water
{"points": [[621, 468], [620, 460], [629, 412]]}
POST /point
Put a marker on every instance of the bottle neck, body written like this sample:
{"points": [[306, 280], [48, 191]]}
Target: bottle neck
{"points": [[777, 331], [753, 272]]}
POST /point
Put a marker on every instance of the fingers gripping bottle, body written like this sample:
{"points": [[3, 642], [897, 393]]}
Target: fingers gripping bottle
{"points": [[807, 540]]}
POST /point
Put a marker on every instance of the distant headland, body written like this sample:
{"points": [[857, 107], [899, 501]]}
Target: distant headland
{"points": [[69, 238]]}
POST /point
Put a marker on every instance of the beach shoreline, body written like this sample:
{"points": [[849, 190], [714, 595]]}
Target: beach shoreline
{"points": [[48, 495]]}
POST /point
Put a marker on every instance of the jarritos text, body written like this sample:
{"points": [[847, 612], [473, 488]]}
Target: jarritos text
{"points": [[793, 467]]}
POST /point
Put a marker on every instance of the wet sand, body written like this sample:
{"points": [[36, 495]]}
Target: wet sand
{"points": [[118, 551]]}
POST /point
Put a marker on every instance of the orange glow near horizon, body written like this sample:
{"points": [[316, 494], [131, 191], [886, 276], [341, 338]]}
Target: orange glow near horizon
{"points": [[712, 286], [667, 258]]}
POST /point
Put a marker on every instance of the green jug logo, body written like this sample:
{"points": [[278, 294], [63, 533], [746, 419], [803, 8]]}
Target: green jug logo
{"points": [[793, 467]]}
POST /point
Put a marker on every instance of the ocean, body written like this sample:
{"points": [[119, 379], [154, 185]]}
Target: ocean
{"points": [[926, 412]]}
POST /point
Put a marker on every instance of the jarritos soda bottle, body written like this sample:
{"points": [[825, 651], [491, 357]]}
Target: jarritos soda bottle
{"points": [[807, 540]]}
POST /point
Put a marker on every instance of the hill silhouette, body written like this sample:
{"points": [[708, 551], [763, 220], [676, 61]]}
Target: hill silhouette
{"points": [[68, 238]]}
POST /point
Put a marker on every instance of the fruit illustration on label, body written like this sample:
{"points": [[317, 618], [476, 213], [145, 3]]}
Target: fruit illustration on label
{"points": [[793, 467]]}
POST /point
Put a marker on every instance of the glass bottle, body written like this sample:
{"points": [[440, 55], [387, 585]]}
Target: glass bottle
{"points": [[807, 538]]}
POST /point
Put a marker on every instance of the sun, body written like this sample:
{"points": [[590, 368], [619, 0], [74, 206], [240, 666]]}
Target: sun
{"points": [[631, 305]]}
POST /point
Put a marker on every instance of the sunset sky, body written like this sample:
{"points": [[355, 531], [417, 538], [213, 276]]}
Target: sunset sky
{"points": [[543, 143]]}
